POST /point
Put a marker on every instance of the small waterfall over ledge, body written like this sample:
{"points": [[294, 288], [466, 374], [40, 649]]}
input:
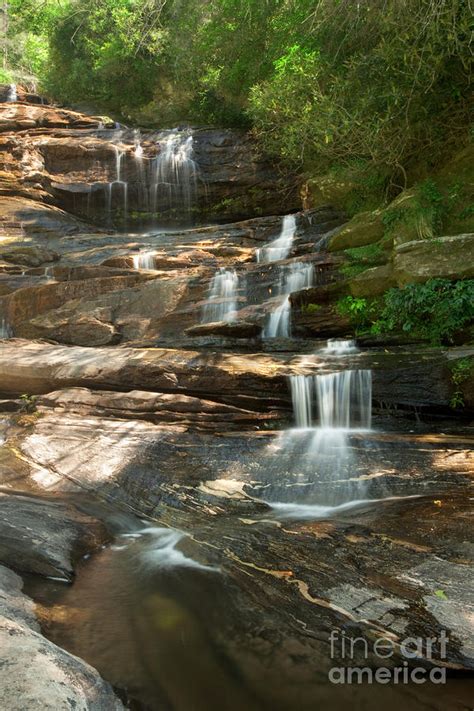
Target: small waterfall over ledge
{"points": [[320, 459], [12, 95], [294, 277], [174, 173], [343, 400], [6, 330], [222, 298], [280, 247], [144, 260], [336, 346]]}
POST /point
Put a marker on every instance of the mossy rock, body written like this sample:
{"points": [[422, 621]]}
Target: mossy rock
{"points": [[445, 257], [365, 228], [326, 190], [373, 282]]}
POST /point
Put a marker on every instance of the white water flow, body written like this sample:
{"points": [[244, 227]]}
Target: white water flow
{"points": [[294, 277], [336, 346], [222, 299], [343, 400], [280, 247], [5, 329], [48, 274], [322, 472], [118, 183], [161, 550], [12, 94], [144, 260], [138, 155], [174, 174]]}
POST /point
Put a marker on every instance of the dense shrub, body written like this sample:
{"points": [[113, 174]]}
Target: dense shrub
{"points": [[325, 82], [435, 310]]}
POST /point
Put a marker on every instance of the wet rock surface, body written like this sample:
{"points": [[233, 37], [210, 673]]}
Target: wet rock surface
{"points": [[141, 423]]}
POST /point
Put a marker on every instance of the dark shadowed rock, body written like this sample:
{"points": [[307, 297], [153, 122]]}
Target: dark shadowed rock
{"points": [[45, 537], [233, 329]]}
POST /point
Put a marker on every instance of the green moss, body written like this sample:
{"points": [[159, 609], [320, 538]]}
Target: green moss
{"points": [[362, 258]]}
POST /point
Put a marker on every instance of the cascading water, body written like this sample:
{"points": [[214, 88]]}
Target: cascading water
{"points": [[119, 155], [222, 298], [144, 260], [119, 182], [343, 399], [280, 247], [294, 277], [12, 95], [138, 155], [174, 173], [322, 465], [48, 274], [336, 346], [6, 330]]}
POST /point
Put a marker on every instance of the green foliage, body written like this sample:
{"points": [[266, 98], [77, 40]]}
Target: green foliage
{"points": [[362, 312], [460, 372], [434, 310], [25, 44], [324, 83], [28, 403], [368, 81]]}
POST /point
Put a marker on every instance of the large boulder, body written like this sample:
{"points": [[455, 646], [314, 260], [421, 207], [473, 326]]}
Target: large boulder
{"points": [[373, 282], [252, 381], [446, 257], [365, 228]]}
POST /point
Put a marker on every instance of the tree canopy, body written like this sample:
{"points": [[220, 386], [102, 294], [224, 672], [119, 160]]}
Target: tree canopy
{"points": [[324, 82]]}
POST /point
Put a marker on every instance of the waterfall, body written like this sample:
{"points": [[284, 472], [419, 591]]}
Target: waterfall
{"points": [[293, 277], [119, 155], [222, 298], [302, 399], [138, 146], [48, 274], [6, 330], [144, 260], [138, 155], [12, 95], [337, 346], [122, 184], [321, 472], [174, 173], [280, 247], [344, 400]]}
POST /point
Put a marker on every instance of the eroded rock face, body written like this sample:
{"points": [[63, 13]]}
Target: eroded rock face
{"points": [[169, 408], [69, 159], [254, 381]]}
